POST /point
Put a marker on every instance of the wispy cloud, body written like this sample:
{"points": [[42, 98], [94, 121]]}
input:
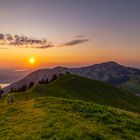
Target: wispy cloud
{"points": [[20, 70], [1, 36], [23, 42], [75, 42], [26, 42]]}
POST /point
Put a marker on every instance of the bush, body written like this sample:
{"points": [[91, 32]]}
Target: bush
{"points": [[31, 85], [54, 77], [1, 92]]}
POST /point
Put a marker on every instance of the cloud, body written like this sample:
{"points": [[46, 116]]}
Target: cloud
{"points": [[46, 46], [21, 41], [20, 70], [9, 37], [75, 42], [1, 36]]}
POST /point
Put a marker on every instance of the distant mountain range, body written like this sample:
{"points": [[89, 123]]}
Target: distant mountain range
{"points": [[109, 72]]}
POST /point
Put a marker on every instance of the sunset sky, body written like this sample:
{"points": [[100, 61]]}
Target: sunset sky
{"points": [[78, 32]]}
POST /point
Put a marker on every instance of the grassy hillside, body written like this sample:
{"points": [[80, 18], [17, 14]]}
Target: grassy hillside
{"points": [[133, 86], [75, 87], [66, 109], [54, 118]]}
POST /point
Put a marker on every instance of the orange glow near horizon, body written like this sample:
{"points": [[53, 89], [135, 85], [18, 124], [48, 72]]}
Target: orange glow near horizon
{"points": [[28, 58], [55, 34]]}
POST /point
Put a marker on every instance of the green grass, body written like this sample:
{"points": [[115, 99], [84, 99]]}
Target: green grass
{"points": [[63, 119], [133, 86], [75, 87], [66, 109]]}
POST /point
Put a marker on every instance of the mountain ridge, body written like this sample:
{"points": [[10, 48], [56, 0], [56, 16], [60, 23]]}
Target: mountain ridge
{"points": [[110, 72], [76, 87]]}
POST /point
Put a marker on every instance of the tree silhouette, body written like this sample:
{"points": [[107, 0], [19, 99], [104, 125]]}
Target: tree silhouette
{"points": [[19, 89], [1, 92], [54, 77], [67, 72], [42, 81], [24, 87], [11, 90], [46, 81], [31, 84], [15, 90]]}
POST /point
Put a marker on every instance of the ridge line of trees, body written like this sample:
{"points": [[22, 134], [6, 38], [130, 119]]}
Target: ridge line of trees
{"points": [[22, 88], [43, 81]]}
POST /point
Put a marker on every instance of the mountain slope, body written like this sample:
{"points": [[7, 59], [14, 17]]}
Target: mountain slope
{"points": [[133, 86], [76, 87], [66, 109], [110, 72], [62, 119]]}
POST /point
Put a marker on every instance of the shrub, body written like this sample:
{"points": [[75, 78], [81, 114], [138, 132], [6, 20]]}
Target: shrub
{"points": [[1, 92], [31, 85], [54, 77]]}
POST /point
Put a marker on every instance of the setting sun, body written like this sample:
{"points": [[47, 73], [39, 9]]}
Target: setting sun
{"points": [[32, 60]]}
